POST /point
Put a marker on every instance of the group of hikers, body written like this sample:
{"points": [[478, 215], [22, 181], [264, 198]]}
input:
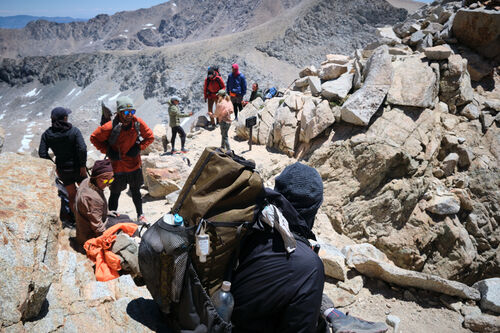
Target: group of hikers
{"points": [[274, 289], [227, 99]]}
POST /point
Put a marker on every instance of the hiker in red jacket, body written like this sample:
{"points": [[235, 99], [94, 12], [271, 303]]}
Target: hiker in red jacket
{"points": [[122, 141], [213, 83]]}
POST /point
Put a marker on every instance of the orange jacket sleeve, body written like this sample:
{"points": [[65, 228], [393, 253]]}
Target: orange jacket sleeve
{"points": [[99, 137], [146, 133]]}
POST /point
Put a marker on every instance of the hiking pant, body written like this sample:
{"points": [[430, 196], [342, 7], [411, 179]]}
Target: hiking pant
{"points": [[224, 129], [134, 179], [211, 103], [237, 105], [182, 134]]}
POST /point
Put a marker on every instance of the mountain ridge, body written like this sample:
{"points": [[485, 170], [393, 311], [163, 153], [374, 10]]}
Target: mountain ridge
{"points": [[20, 21], [152, 74]]}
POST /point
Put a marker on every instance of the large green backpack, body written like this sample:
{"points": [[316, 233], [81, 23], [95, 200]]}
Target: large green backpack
{"points": [[224, 191], [224, 194]]}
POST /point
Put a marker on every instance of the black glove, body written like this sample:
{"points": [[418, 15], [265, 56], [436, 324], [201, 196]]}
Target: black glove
{"points": [[136, 149], [113, 154]]}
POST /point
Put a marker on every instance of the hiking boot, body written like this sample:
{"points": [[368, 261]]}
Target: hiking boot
{"points": [[174, 151], [142, 219], [326, 303], [349, 324], [184, 150]]}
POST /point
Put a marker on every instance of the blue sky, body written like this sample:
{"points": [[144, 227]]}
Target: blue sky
{"points": [[77, 9]]}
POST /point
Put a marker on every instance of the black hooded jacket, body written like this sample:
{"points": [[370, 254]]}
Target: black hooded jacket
{"points": [[273, 291], [67, 144]]}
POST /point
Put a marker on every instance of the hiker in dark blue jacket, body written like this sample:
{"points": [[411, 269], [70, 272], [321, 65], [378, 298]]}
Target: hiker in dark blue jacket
{"points": [[236, 88], [69, 148]]}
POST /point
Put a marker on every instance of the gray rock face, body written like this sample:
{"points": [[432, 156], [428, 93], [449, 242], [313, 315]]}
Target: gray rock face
{"points": [[337, 59], [405, 28], [161, 182], [444, 205], [455, 86], [311, 40], [414, 84], [315, 119], [439, 52], [479, 29], [337, 89], [483, 323], [470, 111], [379, 269], [314, 85], [364, 103], [450, 163], [308, 71], [334, 262], [416, 37], [387, 34], [266, 121], [492, 104], [490, 294], [302, 82], [331, 71], [29, 226], [284, 130], [424, 43], [79, 303]]}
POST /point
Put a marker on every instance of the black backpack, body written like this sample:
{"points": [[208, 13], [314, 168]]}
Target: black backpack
{"points": [[106, 114]]}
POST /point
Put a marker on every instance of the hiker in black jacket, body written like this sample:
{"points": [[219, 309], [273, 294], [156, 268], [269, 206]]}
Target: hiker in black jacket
{"points": [[68, 146], [277, 290]]}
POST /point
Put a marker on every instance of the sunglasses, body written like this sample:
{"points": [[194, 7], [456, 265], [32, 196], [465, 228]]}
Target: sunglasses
{"points": [[108, 181], [127, 112]]}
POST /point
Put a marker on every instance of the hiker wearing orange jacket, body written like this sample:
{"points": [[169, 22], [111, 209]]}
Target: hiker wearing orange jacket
{"points": [[122, 141], [213, 83]]}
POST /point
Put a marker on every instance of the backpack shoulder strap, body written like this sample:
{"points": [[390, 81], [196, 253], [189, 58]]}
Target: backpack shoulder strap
{"points": [[218, 78], [137, 126], [115, 131]]}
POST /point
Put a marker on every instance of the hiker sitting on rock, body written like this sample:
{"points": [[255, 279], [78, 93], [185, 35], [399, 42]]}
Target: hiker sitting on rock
{"points": [[256, 92], [276, 291], [223, 112], [69, 148], [92, 215], [122, 141], [175, 123]]}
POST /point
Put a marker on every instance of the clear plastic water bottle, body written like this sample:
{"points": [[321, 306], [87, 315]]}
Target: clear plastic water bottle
{"points": [[223, 301], [175, 220]]}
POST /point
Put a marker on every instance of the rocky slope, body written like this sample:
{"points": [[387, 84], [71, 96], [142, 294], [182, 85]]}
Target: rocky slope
{"points": [[407, 149], [33, 85], [405, 133]]}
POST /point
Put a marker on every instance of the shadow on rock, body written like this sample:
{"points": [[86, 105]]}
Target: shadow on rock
{"points": [[146, 312], [44, 310]]}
